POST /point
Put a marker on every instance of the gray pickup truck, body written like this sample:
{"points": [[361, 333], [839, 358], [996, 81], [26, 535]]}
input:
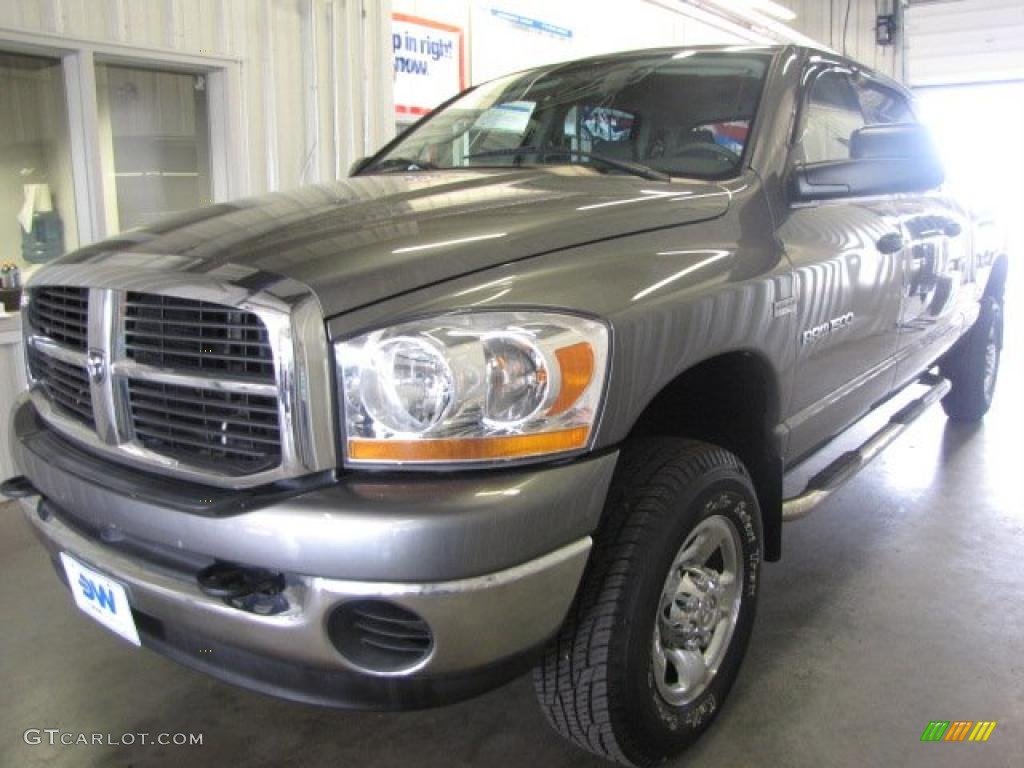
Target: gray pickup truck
{"points": [[521, 392]]}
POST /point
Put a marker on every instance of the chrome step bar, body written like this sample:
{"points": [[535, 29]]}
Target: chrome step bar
{"points": [[835, 475]]}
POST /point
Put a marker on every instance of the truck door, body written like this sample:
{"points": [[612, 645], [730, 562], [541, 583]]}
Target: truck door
{"points": [[848, 275], [939, 288]]}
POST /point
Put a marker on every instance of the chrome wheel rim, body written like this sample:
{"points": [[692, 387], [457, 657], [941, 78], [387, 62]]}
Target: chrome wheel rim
{"points": [[991, 362], [698, 610]]}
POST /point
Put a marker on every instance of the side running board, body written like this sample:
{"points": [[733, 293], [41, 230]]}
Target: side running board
{"points": [[832, 477]]}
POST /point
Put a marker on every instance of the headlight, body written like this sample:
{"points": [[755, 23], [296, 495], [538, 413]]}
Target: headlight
{"points": [[487, 386]]}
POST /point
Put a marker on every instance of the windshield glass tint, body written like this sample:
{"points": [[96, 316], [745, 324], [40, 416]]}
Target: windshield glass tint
{"points": [[684, 113]]}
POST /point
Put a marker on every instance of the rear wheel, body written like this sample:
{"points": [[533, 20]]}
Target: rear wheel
{"points": [[973, 366], [656, 635]]}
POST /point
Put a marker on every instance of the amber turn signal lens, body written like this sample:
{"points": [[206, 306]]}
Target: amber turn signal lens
{"points": [[468, 449], [576, 363]]}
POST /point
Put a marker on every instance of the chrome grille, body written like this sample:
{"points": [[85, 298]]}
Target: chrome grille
{"points": [[189, 335], [231, 432], [66, 385], [205, 380], [61, 314]]}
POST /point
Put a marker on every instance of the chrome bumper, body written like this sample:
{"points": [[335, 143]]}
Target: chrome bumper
{"points": [[490, 562], [475, 621], [409, 528]]}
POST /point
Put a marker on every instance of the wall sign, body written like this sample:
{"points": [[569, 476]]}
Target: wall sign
{"points": [[533, 25], [429, 63]]}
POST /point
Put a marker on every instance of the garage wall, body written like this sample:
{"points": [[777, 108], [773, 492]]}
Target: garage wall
{"points": [[965, 41], [315, 75], [597, 28], [827, 22], [497, 47]]}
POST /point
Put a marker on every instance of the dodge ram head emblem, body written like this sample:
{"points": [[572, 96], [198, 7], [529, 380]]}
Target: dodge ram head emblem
{"points": [[96, 365]]}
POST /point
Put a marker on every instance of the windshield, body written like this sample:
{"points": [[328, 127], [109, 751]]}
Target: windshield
{"points": [[683, 113]]}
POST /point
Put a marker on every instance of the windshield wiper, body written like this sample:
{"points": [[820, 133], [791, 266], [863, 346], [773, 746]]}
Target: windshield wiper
{"points": [[394, 164], [637, 169]]}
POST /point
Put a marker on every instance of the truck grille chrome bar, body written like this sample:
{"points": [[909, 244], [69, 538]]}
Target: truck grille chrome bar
{"points": [[219, 392]]}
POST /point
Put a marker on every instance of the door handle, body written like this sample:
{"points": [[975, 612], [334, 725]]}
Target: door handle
{"points": [[890, 243]]}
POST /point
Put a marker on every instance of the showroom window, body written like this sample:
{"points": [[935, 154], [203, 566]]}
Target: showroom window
{"points": [[154, 142], [37, 205], [97, 139]]}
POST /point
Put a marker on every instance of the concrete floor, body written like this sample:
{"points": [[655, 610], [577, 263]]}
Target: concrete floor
{"points": [[899, 602]]}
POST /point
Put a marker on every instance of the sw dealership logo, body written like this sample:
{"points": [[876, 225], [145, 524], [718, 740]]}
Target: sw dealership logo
{"points": [[98, 594], [958, 730]]}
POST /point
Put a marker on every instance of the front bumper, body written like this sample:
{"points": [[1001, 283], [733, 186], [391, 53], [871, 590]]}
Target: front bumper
{"points": [[343, 541]]}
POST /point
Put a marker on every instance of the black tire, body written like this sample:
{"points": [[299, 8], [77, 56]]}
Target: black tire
{"points": [[596, 683], [968, 366]]}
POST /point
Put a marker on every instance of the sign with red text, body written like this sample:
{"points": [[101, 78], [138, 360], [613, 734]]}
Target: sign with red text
{"points": [[429, 64]]}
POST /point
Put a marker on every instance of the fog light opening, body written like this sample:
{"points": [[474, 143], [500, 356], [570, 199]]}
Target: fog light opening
{"points": [[379, 636]]}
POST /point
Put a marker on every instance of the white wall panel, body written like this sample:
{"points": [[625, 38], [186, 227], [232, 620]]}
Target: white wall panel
{"points": [[147, 22], [284, 37], [496, 47], [827, 22], [285, 124], [965, 41]]}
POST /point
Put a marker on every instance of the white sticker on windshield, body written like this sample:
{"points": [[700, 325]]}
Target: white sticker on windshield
{"points": [[510, 117]]}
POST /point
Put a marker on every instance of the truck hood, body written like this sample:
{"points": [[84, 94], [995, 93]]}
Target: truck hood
{"points": [[365, 239]]}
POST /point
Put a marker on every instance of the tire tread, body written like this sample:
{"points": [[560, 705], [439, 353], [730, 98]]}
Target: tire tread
{"points": [[571, 681]]}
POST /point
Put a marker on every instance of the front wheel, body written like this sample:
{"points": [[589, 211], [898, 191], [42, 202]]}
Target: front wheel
{"points": [[661, 623]]}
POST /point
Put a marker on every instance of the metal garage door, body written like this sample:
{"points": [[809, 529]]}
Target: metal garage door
{"points": [[964, 41]]}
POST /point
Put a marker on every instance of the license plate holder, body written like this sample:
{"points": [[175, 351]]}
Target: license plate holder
{"points": [[101, 597]]}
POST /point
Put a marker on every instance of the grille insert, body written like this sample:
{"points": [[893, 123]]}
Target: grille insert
{"points": [[229, 432], [62, 314], [66, 385], [203, 390], [188, 335]]}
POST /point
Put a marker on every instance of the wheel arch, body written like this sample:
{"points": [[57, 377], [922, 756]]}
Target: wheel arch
{"points": [[731, 400]]}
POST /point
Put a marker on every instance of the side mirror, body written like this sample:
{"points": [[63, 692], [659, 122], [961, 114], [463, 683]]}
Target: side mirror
{"points": [[358, 165], [884, 160]]}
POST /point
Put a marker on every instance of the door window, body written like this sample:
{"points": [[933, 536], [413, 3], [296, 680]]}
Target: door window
{"points": [[833, 113], [882, 105]]}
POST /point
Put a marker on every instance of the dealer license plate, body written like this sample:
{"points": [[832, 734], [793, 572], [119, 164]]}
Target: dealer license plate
{"points": [[101, 597]]}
